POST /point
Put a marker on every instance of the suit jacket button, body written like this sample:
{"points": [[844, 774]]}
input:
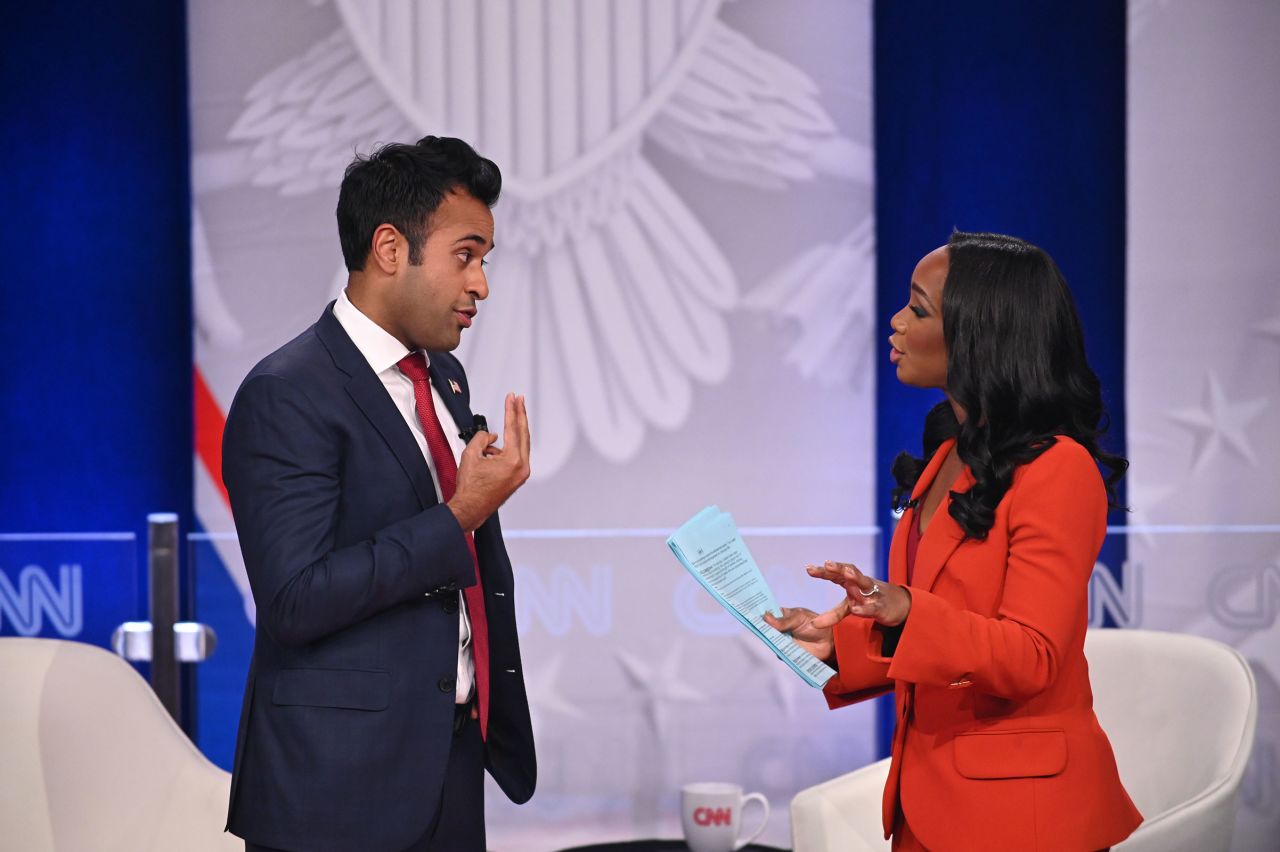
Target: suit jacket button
{"points": [[450, 605], [446, 684]]}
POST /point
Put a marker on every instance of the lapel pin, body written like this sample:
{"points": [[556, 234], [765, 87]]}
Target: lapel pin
{"points": [[454, 386]]}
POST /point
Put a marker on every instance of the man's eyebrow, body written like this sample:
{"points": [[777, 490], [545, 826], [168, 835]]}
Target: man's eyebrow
{"points": [[923, 295], [472, 238]]}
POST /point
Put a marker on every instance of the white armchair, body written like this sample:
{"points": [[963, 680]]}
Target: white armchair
{"points": [[841, 814], [91, 760], [1180, 711]]}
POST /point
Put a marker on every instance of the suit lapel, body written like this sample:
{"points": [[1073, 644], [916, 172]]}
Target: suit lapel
{"points": [[944, 535], [366, 390], [898, 545], [451, 386], [898, 549]]}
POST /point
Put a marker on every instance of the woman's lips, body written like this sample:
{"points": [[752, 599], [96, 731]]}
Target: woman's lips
{"points": [[894, 355]]}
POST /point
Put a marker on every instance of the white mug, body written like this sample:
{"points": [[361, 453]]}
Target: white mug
{"points": [[712, 816]]}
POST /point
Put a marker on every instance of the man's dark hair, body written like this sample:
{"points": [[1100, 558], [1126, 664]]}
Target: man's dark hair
{"points": [[402, 185]]}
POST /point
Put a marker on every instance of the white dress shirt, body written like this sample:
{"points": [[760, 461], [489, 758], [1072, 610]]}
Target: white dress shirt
{"points": [[383, 352]]}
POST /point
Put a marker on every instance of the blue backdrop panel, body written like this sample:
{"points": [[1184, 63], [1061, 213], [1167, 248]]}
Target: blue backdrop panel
{"points": [[1010, 117], [221, 678], [96, 325], [78, 587]]}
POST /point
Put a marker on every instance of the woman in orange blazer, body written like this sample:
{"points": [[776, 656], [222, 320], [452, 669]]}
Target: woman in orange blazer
{"points": [[980, 629]]}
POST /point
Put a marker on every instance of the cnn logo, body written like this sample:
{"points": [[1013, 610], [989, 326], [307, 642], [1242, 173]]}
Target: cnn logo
{"points": [[709, 815], [713, 816]]}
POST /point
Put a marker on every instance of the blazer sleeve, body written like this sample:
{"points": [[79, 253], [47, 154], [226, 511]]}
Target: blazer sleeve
{"points": [[1057, 520], [280, 466], [861, 671]]}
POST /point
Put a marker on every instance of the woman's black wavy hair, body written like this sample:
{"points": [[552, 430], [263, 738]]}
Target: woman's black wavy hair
{"points": [[1016, 366]]}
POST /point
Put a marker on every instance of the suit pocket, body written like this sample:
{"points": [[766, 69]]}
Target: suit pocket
{"points": [[1011, 754], [351, 689]]}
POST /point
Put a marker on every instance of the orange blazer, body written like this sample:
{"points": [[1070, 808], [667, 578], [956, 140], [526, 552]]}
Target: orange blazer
{"points": [[996, 745]]}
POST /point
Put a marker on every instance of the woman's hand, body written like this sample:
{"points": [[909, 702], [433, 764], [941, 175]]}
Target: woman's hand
{"points": [[810, 630], [865, 597]]}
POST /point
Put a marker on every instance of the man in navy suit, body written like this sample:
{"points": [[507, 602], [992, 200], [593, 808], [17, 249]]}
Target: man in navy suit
{"points": [[386, 673]]}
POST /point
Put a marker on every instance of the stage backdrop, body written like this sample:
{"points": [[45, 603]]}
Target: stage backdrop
{"points": [[1204, 345], [683, 288]]}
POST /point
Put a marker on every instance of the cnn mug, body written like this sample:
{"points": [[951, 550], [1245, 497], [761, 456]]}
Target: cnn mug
{"points": [[712, 816]]}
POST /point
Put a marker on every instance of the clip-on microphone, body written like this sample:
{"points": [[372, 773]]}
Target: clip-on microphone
{"points": [[478, 424]]}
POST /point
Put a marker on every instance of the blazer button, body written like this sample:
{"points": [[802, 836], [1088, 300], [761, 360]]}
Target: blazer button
{"points": [[450, 605], [446, 684]]}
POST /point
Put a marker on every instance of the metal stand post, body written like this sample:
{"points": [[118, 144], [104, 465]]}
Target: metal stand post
{"points": [[162, 572]]}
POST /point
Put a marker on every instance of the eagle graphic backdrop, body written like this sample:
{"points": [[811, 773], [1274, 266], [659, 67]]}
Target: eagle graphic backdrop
{"points": [[683, 287]]}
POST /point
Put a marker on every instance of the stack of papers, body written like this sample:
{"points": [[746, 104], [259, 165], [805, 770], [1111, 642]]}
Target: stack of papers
{"points": [[710, 548]]}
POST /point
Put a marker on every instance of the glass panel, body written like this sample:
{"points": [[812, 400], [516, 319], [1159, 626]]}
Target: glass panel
{"points": [[78, 586], [639, 682], [628, 663], [624, 650], [1222, 582], [222, 601]]}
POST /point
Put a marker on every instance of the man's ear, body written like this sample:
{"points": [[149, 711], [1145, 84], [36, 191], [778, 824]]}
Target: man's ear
{"points": [[389, 250]]}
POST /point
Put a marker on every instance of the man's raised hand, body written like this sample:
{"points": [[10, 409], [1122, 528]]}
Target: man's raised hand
{"points": [[489, 474]]}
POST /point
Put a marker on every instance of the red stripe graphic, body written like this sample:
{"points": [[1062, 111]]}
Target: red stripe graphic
{"points": [[210, 422]]}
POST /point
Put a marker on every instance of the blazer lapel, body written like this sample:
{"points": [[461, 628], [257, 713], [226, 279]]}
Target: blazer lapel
{"points": [[452, 389], [366, 390], [943, 534], [898, 544], [942, 537]]}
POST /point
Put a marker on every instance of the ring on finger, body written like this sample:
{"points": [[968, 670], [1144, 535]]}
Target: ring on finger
{"points": [[875, 590]]}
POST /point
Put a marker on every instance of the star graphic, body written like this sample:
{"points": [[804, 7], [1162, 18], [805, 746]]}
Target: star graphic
{"points": [[1154, 444], [1151, 502], [1269, 329], [659, 685], [545, 692], [781, 680], [1141, 15], [1219, 422]]}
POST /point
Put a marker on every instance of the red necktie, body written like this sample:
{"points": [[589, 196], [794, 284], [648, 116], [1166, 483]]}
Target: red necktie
{"points": [[414, 365]]}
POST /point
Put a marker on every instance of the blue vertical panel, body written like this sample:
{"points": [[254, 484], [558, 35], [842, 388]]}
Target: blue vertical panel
{"points": [[95, 331], [1002, 116], [44, 576], [222, 677]]}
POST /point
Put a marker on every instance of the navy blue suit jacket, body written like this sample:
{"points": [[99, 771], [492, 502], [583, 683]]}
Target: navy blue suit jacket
{"points": [[348, 709]]}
